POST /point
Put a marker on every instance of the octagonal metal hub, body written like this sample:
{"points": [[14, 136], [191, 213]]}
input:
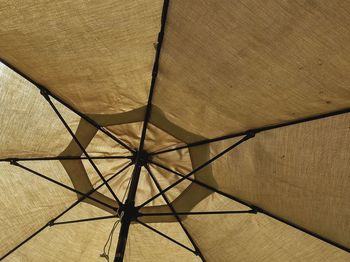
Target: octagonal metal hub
{"points": [[129, 212], [144, 157]]}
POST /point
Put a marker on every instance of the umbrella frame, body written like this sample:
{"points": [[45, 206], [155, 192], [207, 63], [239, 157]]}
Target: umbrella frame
{"points": [[129, 213]]}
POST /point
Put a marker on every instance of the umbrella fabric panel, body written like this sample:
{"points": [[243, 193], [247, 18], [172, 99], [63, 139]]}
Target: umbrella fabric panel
{"points": [[76, 48], [156, 138], [29, 127], [108, 168], [84, 210], [234, 66], [103, 145], [145, 245], [71, 242], [299, 173], [28, 202], [250, 237]]}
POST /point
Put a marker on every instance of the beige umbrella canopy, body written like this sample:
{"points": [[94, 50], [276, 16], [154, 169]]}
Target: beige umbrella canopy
{"points": [[175, 131]]}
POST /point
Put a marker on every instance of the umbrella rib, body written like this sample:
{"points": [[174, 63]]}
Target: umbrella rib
{"points": [[195, 213], [165, 236], [154, 77], [137, 159], [46, 96], [255, 209], [200, 183], [85, 117], [154, 214], [173, 212], [247, 137], [256, 130], [62, 185], [52, 221], [84, 220], [52, 158], [153, 81]]}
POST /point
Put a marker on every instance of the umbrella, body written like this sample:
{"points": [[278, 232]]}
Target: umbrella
{"points": [[175, 131]]}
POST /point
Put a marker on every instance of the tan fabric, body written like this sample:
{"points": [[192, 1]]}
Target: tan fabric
{"points": [[300, 173], [84, 210], [236, 65], [86, 240], [225, 67], [29, 127], [97, 56], [251, 238], [102, 145], [70, 242], [28, 202], [145, 245]]}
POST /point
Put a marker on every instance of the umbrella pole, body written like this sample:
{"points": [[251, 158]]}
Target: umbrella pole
{"points": [[123, 235], [128, 212]]}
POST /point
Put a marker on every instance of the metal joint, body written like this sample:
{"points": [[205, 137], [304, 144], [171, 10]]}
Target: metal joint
{"points": [[128, 212], [154, 73], [44, 93], [251, 134], [256, 210], [13, 162], [142, 156]]}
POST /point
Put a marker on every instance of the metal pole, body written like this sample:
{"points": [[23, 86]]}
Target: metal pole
{"points": [[128, 213]]}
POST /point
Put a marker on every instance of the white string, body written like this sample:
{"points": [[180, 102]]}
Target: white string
{"points": [[109, 240], [110, 236]]}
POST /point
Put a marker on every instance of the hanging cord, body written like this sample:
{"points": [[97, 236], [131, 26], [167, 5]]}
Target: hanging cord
{"points": [[110, 236], [109, 241]]}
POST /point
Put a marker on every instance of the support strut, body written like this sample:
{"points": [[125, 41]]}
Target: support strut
{"points": [[128, 213]]}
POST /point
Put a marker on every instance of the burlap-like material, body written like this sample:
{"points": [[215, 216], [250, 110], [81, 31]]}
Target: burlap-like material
{"points": [[225, 67]]}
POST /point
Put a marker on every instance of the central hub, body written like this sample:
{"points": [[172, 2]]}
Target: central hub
{"points": [[143, 157], [162, 136], [128, 211]]}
